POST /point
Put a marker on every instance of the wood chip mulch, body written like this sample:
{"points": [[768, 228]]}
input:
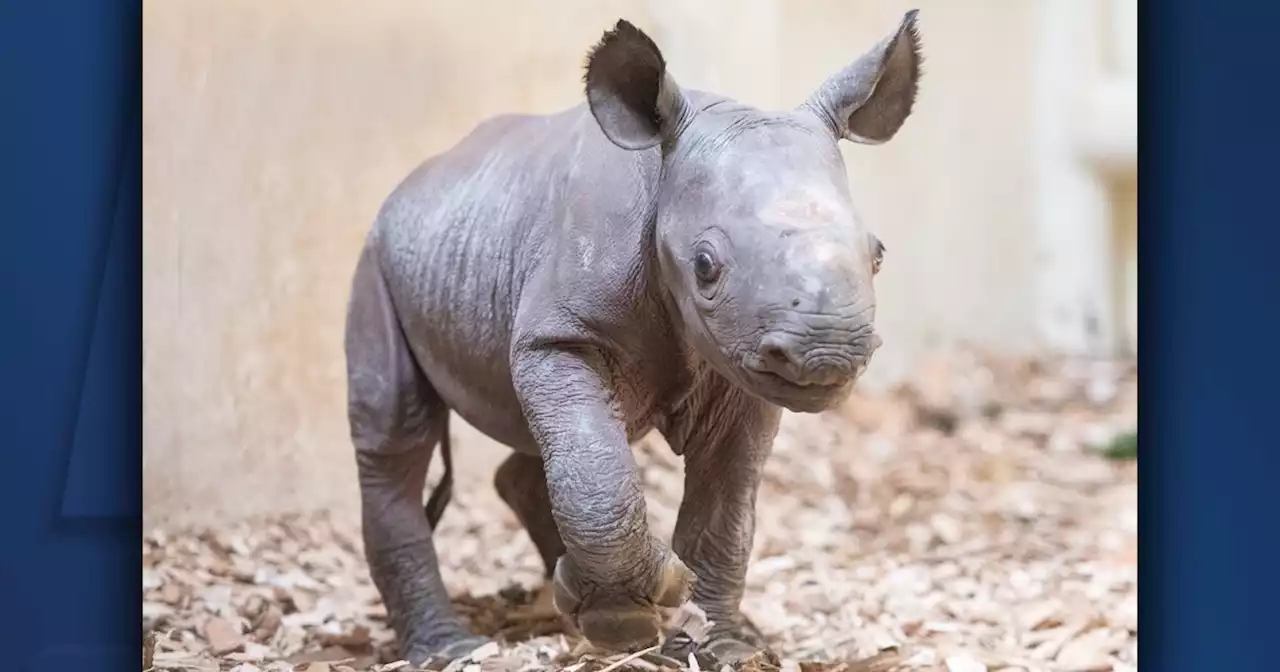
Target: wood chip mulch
{"points": [[976, 519]]}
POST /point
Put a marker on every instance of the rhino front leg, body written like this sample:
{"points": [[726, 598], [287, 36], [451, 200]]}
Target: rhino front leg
{"points": [[614, 575], [396, 419], [725, 445]]}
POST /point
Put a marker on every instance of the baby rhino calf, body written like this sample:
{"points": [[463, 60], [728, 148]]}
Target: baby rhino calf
{"points": [[654, 258]]}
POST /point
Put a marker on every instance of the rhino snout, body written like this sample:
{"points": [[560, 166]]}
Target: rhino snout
{"points": [[806, 362]]}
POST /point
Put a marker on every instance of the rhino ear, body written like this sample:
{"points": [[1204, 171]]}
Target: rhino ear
{"points": [[869, 100], [632, 97]]}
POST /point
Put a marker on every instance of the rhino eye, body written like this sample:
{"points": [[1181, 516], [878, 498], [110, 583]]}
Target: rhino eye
{"points": [[877, 255], [705, 266]]}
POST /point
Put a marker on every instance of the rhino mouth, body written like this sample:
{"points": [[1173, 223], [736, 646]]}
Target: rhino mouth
{"points": [[811, 397], [776, 380], [756, 369]]}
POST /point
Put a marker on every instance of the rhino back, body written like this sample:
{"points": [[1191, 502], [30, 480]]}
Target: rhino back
{"points": [[511, 215]]}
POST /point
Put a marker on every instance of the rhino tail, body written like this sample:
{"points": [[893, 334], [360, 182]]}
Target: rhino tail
{"points": [[443, 492]]}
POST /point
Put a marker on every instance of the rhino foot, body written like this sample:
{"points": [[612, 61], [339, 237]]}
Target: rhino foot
{"points": [[731, 646], [437, 654]]}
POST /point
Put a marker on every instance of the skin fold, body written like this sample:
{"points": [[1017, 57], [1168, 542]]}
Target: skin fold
{"points": [[652, 258]]}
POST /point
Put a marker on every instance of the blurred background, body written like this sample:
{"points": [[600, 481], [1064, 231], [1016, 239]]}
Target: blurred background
{"points": [[273, 130], [966, 502]]}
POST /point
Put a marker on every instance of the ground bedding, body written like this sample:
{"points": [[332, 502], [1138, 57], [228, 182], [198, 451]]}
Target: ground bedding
{"points": [[975, 519]]}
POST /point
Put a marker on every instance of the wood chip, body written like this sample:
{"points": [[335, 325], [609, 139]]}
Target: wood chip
{"points": [[502, 664], [485, 651], [171, 593], [691, 620], [223, 637], [356, 639], [1091, 651], [962, 662]]}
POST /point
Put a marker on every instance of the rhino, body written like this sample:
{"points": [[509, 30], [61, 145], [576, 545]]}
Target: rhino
{"points": [[654, 258]]}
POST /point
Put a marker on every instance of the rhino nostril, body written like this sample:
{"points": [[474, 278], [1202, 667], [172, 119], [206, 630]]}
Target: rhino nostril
{"points": [[775, 353], [777, 357]]}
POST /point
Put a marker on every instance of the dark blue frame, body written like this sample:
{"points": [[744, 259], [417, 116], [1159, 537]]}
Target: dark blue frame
{"points": [[1209, 499], [70, 334]]}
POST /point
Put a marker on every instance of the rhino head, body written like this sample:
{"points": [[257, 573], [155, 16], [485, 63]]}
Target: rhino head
{"points": [[757, 238]]}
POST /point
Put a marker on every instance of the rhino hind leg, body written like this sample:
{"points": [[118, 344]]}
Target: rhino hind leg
{"points": [[522, 484], [396, 420]]}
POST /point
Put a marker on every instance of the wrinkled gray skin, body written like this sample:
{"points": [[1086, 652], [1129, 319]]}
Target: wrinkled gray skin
{"points": [[655, 258]]}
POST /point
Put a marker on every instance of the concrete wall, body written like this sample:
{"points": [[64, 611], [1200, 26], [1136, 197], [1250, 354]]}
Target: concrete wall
{"points": [[273, 130]]}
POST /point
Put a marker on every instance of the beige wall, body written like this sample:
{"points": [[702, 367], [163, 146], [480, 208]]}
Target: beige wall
{"points": [[1124, 196], [272, 131]]}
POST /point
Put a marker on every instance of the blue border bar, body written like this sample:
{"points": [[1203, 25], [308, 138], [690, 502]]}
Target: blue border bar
{"points": [[1210, 276], [70, 334]]}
